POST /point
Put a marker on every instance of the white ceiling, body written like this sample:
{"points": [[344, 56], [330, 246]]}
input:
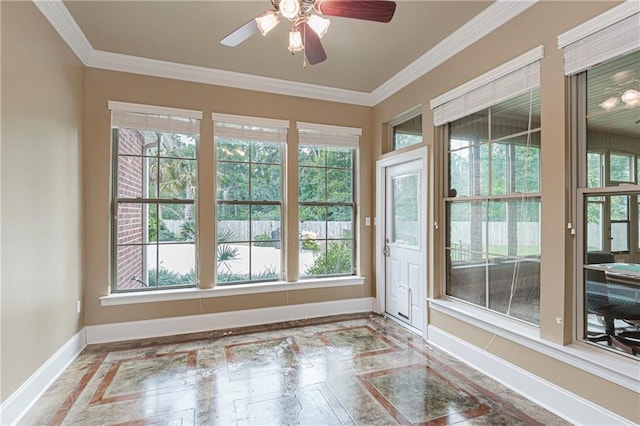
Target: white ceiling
{"points": [[362, 55]]}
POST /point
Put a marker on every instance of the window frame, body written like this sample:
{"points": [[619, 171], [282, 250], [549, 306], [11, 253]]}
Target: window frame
{"points": [[510, 79], [252, 124], [609, 188], [632, 168], [328, 204], [401, 119], [150, 111], [509, 196], [324, 135]]}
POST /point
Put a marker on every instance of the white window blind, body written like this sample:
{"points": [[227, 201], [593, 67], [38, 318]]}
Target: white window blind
{"points": [[509, 80], [254, 128], [326, 135], [611, 34], [154, 118]]}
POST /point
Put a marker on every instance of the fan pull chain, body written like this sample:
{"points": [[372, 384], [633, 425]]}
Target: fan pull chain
{"points": [[304, 44]]}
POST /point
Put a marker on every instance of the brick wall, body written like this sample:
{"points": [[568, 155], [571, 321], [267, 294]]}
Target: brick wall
{"points": [[130, 216]]}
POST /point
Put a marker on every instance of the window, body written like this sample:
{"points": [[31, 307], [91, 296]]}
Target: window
{"points": [[250, 177], [603, 58], [408, 132], [493, 208], [492, 189], [610, 251], [154, 193], [326, 196]]}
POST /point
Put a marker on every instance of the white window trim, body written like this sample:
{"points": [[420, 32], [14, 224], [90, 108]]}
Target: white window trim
{"points": [[327, 128], [250, 121], [327, 135], [154, 110], [611, 34], [170, 295], [615, 368], [407, 115], [399, 119], [599, 23], [501, 83]]}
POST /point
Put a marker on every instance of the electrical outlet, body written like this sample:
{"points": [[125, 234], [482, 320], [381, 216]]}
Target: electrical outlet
{"points": [[77, 306]]}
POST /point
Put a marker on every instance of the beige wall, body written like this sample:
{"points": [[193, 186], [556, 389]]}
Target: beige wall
{"points": [[102, 86], [42, 86], [539, 25], [43, 272]]}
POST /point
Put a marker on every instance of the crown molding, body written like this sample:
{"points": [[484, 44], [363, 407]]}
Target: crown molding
{"points": [[608, 18], [479, 26], [488, 20], [58, 15], [156, 68]]}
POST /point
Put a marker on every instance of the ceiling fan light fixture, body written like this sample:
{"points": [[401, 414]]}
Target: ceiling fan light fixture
{"points": [[318, 24], [289, 8], [295, 41], [610, 103], [267, 22], [631, 98]]}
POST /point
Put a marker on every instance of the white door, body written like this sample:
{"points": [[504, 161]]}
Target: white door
{"points": [[404, 250]]}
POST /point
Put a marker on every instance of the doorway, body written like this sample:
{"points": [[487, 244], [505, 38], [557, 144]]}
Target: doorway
{"points": [[401, 237]]}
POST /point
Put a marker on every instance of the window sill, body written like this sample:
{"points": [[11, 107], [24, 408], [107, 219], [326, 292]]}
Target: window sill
{"points": [[222, 291], [612, 367]]}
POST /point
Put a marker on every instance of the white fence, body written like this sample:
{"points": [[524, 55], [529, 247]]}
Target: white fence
{"points": [[240, 228], [528, 233]]}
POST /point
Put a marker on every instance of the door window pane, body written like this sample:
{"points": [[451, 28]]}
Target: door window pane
{"points": [[405, 209]]}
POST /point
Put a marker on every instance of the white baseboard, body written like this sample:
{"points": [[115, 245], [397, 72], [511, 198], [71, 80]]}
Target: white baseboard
{"points": [[223, 320], [563, 403], [16, 406]]}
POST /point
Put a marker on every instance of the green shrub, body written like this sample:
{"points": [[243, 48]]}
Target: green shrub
{"points": [[309, 241], [336, 260], [166, 277]]}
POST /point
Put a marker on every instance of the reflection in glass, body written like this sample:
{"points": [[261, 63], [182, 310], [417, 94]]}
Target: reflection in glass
{"points": [[405, 210], [595, 167], [621, 166], [512, 116], [493, 250], [407, 133], [611, 272]]}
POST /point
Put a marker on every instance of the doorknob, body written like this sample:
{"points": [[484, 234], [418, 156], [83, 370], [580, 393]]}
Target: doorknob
{"points": [[387, 251]]}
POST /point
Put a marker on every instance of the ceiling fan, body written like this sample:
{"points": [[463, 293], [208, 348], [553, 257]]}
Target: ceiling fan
{"points": [[307, 24]]}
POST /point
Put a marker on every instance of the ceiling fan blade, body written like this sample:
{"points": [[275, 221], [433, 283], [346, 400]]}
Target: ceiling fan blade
{"points": [[312, 45], [369, 10], [241, 34]]}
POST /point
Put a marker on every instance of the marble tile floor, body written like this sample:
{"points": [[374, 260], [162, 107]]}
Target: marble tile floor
{"points": [[343, 370]]}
